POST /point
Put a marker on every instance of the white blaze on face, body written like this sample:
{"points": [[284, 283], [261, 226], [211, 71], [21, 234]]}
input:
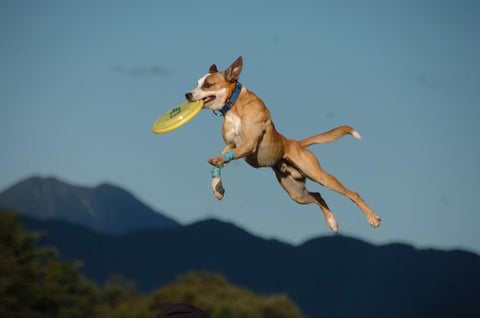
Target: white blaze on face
{"points": [[220, 95], [201, 81], [198, 93]]}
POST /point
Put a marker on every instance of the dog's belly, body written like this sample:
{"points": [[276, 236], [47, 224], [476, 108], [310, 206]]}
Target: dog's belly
{"points": [[259, 159], [269, 150]]}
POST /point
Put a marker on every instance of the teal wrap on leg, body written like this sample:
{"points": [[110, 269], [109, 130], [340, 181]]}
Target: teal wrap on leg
{"points": [[216, 172], [229, 156]]}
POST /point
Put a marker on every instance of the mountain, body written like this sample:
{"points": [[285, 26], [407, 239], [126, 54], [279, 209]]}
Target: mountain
{"points": [[110, 232], [332, 276], [105, 208]]}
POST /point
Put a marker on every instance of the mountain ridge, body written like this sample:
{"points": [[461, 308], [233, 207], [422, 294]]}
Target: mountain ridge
{"points": [[105, 208], [323, 276]]}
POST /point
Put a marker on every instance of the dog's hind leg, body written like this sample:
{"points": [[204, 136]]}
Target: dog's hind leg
{"points": [[308, 164], [294, 183]]}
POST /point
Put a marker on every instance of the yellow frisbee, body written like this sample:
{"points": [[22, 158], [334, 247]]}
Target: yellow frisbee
{"points": [[177, 117]]}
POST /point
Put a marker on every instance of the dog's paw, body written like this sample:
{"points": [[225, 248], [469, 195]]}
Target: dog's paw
{"points": [[217, 188], [332, 223], [374, 220], [217, 161]]}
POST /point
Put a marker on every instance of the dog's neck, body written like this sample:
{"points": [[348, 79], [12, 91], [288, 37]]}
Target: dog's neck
{"points": [[230, 102]]}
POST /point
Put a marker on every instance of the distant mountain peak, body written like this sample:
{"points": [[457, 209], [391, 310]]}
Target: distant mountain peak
{"points": [[105, 208]]}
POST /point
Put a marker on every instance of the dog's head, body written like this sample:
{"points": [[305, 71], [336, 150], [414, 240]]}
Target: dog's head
{"points": [[216, 87]]}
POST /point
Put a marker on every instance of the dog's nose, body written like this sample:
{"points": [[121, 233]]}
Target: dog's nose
{"points": [[188, 96]]}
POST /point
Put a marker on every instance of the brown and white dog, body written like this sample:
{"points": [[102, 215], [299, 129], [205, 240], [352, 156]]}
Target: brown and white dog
{"points": [[249, 133]]}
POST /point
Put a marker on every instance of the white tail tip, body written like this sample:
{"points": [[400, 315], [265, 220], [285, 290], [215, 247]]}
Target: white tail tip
{"points": [[356, 134]]}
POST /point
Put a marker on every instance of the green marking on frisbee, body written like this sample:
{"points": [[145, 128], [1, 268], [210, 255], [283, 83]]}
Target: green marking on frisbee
{"points": [[177, 116]]}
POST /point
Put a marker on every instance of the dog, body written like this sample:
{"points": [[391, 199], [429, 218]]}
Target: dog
{"points": [[249, 133]]}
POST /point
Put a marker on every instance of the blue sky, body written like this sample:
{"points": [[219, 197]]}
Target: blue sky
{"points": [[82, 82]]}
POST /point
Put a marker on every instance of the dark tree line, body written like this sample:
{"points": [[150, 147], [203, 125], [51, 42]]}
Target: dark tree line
{"points": [[35, 283]]}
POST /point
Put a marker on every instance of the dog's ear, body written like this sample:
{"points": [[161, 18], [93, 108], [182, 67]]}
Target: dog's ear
{"points": [[213, 69], [232, 74]]}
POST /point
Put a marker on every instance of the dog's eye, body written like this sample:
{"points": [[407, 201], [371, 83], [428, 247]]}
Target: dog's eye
{"points": [[207, 85]]}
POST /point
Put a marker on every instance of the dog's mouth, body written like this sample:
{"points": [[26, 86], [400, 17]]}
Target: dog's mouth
{"points": [[208, 99]]}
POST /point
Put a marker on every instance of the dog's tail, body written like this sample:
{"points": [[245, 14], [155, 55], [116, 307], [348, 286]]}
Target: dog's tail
{"points": [[330, 136]]}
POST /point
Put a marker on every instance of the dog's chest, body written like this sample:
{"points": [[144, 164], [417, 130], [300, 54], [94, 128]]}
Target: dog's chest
{"points": [[232, 129]]}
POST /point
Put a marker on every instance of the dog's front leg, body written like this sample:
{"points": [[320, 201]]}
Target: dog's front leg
{"points": [[218, 163], [246, 148], [253, 126], [250, 135], [217, 185]]}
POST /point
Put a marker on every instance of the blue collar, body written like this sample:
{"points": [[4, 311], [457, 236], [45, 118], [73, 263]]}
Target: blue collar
{"points": [[230, 102]]}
